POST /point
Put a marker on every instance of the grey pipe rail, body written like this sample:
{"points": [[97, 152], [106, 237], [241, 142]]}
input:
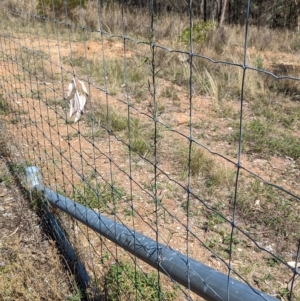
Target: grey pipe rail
{"points": [[203, 280]]}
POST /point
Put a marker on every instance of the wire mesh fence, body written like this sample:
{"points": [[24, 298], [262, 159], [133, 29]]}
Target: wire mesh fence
{"points": [[173, 127]]}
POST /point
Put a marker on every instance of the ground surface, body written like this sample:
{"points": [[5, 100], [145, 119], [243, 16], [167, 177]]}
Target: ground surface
{"points": [[30, 266]]}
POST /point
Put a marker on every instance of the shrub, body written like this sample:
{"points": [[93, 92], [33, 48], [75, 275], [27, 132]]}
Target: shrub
{"points": [[200, 31]]}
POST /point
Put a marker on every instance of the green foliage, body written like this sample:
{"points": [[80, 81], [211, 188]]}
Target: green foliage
{"points": [[259, 62], [76, 296], [171, 93], [260, 136], [140, 145], [98, 195], [284, 293], [213, 219], [6, 179], [286, 115], [19, 168], [140, 140], [256, 135], [295, 46], [200, 32], [124, 281], [4, 107], [110, 118], [37, 199], [267, 277], [272, 261], [116, 122], [200, 163], [286, 87], [257, 200]]}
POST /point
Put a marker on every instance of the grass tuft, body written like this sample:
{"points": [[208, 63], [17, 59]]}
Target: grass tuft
{"points": [[99, 195], [4, 107], [202, 164], [109, 118], [261, 137], [124, 281]]}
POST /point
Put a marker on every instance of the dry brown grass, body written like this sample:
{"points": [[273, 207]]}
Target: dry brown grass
{"points": [[31, 267], [31, 270], [19, 6], [113, 22]]}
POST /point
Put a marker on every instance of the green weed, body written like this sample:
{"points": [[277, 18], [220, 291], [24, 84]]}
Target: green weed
{"points": [[255, 203], [171, 93], [15, 120], [128, 212], [105, 257], [267, 277], [57, 103], [99, 195], [77, 296], [198, 162], [200, 31], [260, 136], [112, 73], [272, 261], [259, 62], [201, 164], [19, 168], [4, 106], [213, 219], [284, 293], [110, 119], [37, 94], [6, 179], [140, 137], [286, 115], [37, 199], [95, 133], [124, 281]]}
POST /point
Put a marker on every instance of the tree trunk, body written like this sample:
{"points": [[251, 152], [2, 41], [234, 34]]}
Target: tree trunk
{"points": [[223, 11], [297, 16]]}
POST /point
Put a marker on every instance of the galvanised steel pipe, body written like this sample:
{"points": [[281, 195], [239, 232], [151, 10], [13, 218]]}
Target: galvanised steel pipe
{"points": [[203, 280]]}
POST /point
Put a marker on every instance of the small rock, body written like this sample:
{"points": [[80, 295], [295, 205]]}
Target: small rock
{"points": [[7, 214], [269, 248]]}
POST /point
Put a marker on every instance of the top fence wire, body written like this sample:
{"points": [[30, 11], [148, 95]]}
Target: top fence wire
{"points": [[177, 119]]}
